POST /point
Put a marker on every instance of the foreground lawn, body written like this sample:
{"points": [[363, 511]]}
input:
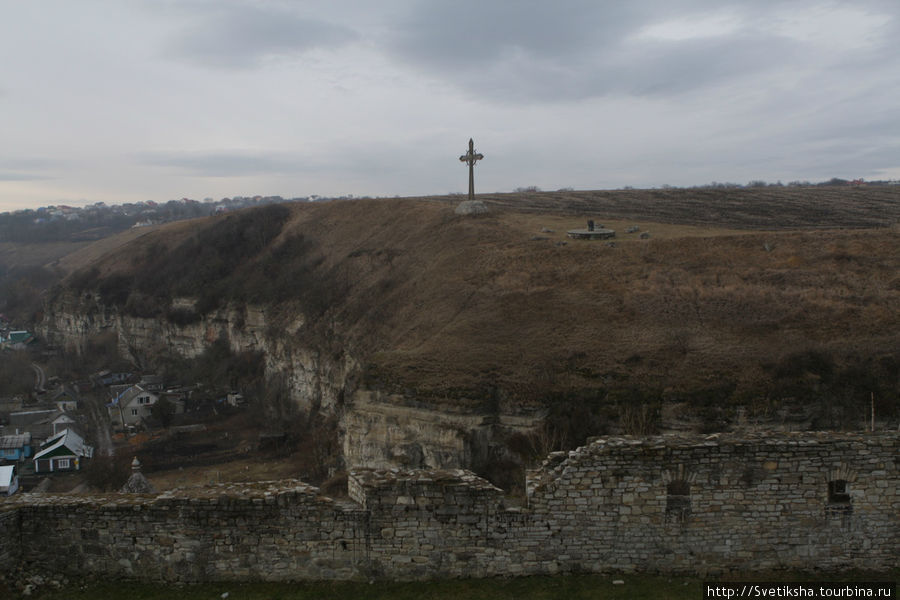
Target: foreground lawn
{"points": [[525, 588], [581, 586]]}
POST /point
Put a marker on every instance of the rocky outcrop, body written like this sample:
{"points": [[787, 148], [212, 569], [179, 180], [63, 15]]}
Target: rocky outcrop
{"points": [[378, 430], [314, 378], [387, 430]]}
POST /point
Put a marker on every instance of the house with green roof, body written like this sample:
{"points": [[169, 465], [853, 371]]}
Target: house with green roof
{"points": [[65, 451], [16, 340]]}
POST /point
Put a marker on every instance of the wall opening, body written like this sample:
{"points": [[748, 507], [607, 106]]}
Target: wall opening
{"points": [[839, 497], [678, 501]]}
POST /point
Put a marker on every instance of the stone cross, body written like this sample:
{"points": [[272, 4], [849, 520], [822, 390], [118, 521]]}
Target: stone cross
{"points": [[469, 158]]}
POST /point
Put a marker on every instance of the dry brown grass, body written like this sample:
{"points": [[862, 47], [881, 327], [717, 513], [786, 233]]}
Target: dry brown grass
{"points": [[468, 303], [37, 255], [90, 253], [237, 471], [450, 306]]}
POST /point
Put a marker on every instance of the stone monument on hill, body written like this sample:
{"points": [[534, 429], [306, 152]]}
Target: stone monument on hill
{"points": [[470, 158]]}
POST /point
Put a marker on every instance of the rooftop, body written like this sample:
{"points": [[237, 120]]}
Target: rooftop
{"points": [[11, 442]]}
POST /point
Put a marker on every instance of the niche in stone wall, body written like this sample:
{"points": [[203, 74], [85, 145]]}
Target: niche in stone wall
{"points": [[839, 497], [838, 500], [678, 493], [678, 501]]}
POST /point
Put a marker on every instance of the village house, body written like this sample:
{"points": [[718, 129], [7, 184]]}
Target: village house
{"points": [[177, 398], [14, 448], [16, 340], [25, 418], [151, 383], [109, 378], [63, 452], [60, 421], [65, 398], [9, 480], [41, 422], [131, 405]]}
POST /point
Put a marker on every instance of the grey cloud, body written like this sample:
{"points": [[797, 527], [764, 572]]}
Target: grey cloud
{"points": [[219, 164], [514, 51], [30, 163], [462, 39], [652, 68], [230, 35], [646, 69], [13, 176], [466, 35], [27, 169], [848, 159]]}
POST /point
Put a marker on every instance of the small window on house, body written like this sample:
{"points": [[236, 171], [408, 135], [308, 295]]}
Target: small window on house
{"points": [[134, 412], [678, 501], [62, 463]]}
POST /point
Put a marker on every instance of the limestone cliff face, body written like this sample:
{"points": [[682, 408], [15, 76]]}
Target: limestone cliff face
{"points": [[386, 430], [314, 378], [378, 430]]}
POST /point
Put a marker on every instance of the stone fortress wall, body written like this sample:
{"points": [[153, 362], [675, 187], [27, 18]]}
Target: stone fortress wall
{"points": [[695, 504]]}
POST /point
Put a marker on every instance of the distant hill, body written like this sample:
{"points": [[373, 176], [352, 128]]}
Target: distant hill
{"points": [[34, 242], [738, 296]]}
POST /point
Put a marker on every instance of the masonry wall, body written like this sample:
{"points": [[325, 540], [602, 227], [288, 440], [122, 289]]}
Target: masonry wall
{"points": [[752, 503], [9, 539], [625, 504], [277, 531]]}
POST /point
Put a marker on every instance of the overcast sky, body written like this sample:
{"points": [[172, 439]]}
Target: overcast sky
{"points": [[126, 100]]}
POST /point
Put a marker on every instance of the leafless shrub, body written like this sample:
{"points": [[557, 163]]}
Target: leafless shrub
{"points": [[107, 473], [641, 419]]}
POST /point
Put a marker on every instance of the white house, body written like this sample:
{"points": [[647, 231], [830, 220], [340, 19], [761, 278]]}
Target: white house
{"points": [[9, 480], [132, 405], [60, 422]]}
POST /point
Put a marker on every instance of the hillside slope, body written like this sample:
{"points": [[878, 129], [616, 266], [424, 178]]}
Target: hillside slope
{"points": [[441, 307]]}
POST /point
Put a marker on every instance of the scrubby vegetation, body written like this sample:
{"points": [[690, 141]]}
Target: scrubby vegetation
{"points": [[16, 376], [270, 427], [20, 291], [212, 264], [65, 223], [766, 303]]}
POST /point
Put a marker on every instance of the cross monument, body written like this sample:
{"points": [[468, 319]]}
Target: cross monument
{"points": [[469, 158]]}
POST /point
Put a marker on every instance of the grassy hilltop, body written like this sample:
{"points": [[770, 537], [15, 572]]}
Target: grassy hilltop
{"points": [[741, 296]]}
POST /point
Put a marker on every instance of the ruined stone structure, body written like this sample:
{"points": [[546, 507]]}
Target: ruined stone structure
{"points": [[686, 504]]}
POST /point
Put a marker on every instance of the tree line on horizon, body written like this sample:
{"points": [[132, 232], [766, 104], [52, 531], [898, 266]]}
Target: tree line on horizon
{"points": [[96, 221], [755, 183]]}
